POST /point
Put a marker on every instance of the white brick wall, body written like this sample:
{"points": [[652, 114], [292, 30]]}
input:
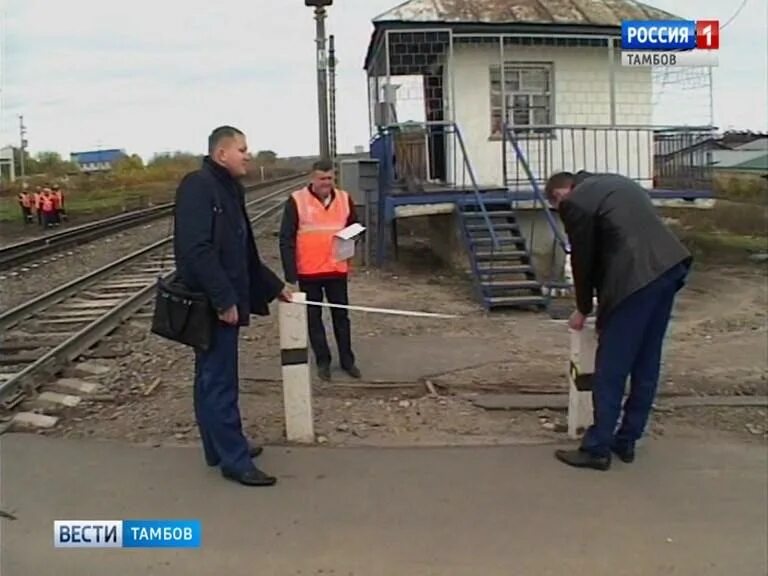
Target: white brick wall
{"points": [[582, 96]]}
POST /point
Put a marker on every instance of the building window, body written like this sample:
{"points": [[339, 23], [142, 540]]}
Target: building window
{"points": [[528, 94]]}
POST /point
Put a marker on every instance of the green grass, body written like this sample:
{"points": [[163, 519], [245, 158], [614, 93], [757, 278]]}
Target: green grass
{"points": [[723, 247], [96, 202], [740, 187]]}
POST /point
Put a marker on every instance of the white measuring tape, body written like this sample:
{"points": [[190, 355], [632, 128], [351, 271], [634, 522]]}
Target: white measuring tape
{"points": [[392, 311]]}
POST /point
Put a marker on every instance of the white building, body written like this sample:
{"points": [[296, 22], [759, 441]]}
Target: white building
{"points": [[7, 165], [475, 103], [561, 90]]}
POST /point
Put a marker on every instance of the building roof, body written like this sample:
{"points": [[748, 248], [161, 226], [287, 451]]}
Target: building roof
{"points": [[579, 12], [93, 156], [740, 159], [757, 144]]}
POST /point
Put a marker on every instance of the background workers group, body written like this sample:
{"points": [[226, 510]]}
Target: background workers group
{"points": [[47, 204]]}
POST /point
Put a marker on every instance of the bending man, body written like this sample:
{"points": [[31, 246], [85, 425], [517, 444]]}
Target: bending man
{"points": [[623, 252]]}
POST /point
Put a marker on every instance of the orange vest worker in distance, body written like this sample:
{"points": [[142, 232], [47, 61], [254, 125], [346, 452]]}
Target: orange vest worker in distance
{"points": [[25, 201], [312, 216]]}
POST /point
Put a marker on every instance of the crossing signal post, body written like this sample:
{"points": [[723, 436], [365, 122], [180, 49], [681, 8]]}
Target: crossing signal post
{"points": [[322, 74]]}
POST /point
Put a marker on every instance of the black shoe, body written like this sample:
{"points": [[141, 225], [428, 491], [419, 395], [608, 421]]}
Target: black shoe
{"points": [[583, 459], [324, 372], [353, 371], [625, 452], [253, 477]]}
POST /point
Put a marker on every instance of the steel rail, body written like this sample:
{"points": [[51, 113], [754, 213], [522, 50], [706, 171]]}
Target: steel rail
{"points": [[16, 254], [12, 388]]}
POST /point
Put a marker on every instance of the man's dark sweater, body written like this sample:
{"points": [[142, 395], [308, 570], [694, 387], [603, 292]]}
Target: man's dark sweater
{"points": [[288, 230]]}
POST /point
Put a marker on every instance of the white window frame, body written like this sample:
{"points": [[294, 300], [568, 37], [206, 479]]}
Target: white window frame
{"points": [[538, 114]]}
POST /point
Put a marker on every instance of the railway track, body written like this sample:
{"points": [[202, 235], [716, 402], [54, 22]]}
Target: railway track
{"points": [[14, 255], [41, 336]]}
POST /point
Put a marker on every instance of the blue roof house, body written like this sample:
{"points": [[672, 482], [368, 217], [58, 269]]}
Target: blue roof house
{"points": [[96, 160]]}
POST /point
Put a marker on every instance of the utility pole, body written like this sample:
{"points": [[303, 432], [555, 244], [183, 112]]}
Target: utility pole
{"points": [[332, 92], [22, 134], [322, 74]]}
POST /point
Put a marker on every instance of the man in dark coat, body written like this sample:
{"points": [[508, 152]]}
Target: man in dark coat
{"points": [[623, 253], [216, 253]]}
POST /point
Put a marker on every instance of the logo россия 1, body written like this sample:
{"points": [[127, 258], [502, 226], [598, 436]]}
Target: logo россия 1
{"points": [[670, 42]]}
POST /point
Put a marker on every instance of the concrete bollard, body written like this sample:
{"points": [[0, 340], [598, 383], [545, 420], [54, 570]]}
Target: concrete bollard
{"points": [[581, 369], [297, 384]]}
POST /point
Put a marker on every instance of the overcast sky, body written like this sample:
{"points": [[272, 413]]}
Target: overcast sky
{"points": [[156, 75]]}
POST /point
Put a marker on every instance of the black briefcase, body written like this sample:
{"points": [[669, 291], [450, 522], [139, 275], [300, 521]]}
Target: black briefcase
{"points": [[182, 315]]}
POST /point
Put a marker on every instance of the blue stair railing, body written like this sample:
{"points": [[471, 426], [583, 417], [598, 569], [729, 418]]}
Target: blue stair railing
{"points": [[384, 146], [559, 239]]}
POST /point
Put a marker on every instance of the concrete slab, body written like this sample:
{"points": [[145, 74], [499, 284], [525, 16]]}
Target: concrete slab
{"points": [[33, 420], [684, 507], [88, 305], [75, 385], [45, 321], [69, 313], [375, 354], [92, 368], [58, 398]]}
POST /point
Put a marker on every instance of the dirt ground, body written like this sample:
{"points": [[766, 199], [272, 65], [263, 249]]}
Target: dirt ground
{"points": [[717, 345]]}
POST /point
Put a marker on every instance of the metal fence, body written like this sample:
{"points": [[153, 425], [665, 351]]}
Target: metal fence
{"points": [[656, 158]]}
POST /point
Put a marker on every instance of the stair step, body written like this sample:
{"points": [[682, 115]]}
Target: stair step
{"points": [[495, 270], [512, 284], [483, 227], [490, 213], [501, 254], [516, 301], [486, 240]]}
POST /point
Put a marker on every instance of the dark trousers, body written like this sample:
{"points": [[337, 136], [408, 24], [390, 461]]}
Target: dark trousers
{"points": [[630, 344], [335, 291], [216, 402], [26, 213]]}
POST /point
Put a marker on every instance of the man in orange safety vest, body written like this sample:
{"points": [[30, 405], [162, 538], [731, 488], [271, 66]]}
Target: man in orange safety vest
{"points": [[312, 216]]}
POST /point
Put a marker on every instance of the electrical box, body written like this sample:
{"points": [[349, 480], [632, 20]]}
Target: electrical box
{"points": [[360, 177]]}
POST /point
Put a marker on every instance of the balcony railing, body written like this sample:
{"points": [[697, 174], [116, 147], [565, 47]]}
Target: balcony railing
{"points": [[669, 158]]}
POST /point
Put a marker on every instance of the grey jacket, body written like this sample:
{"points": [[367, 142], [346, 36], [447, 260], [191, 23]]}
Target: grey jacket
{"points": [[618, 242]]}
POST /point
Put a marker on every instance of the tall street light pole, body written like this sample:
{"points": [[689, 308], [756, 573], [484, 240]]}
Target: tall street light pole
{"points": [[322, 74]]}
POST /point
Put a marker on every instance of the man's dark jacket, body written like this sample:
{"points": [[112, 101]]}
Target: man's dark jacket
{"points": [[214, 244], [288, 230], [618, 242]]}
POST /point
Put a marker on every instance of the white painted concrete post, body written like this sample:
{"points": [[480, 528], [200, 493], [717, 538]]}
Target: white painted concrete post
{"points": [[581, 368], [297, 384]]}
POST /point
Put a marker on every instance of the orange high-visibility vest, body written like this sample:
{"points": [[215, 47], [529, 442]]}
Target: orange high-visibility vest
{"points": [[37, 199], [316, 228], [25, 200], [47, 203]]}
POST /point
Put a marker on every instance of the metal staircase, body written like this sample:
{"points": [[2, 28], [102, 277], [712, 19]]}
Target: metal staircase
{"points": [[504, 275]]}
